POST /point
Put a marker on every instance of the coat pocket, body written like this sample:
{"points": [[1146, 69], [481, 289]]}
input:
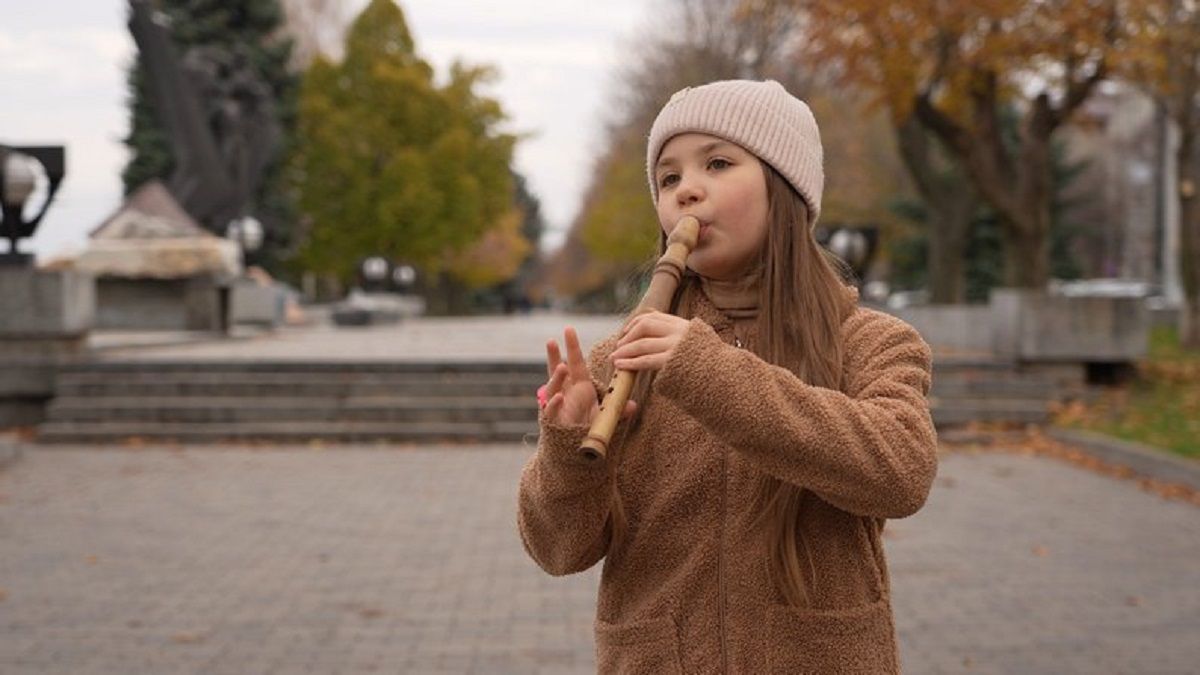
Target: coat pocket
{"points": [[831, 641], [648, 646]]}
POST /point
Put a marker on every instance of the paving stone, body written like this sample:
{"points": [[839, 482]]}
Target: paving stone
{"points": [[296, 560]]}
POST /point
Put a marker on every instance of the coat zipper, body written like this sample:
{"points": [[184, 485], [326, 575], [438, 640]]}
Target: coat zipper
{"points": [[721, 575], [721, 547]]}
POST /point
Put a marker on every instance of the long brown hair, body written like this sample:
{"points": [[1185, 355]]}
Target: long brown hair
{"points": [[799, 278]]}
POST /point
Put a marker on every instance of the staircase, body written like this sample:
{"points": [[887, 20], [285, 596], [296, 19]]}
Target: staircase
{"points": [[339, 402], [980, 390], [204, 402]]}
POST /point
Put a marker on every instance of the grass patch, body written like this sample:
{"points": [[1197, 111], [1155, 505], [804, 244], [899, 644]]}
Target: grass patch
{"points": [[1161, 407]]}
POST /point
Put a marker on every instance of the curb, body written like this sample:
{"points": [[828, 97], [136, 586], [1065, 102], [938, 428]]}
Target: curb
{"points": [[179, 339], [1148, 461]]}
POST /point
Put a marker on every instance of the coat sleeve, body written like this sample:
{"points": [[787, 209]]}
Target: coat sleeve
{"points": [[563, 500], [871, 450]]}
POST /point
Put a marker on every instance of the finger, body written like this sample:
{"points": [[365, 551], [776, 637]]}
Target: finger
{"points": [[555, 384], [633, 321], [631, 331], [575, 355], [553, 406], [653, 324], [647, 345], [553, 358], [647, 362], [631, 407]]}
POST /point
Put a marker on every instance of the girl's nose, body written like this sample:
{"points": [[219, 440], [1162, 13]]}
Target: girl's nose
{"points": [[688, 192]]}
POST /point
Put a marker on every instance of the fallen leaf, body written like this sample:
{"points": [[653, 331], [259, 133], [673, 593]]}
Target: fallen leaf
{"points": [[1031, 441], [91, 559], [1041, 551], [1133, 601], [187, 638]]}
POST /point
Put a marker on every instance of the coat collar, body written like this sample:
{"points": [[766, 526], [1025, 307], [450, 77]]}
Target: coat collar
{"points": [[703, 309]]}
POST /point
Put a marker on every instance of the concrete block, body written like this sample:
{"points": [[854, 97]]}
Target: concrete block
{"points": [[253, 303], [36, 303], [195, 303], [1032, 325], [955, 327]]}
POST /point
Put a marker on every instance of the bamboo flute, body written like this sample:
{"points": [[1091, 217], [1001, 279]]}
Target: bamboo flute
{"points": [[663, 284]]}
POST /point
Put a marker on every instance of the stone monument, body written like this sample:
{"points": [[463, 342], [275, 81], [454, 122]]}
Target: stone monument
{"points": [[157, 269]]}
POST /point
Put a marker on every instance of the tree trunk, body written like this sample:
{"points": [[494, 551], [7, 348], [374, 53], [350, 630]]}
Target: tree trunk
{"points": [[1026, 256], [948, 230], [952, 203], [1189, 240]]}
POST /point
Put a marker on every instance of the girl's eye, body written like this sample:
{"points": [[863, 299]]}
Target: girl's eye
{"points": [[667, 180], [718, 163]]}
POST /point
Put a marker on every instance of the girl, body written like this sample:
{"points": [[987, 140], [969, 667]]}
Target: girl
{"points": [[775, 427]]}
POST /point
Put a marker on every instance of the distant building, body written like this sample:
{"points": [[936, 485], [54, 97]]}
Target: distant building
{"points": [[1125, 197]]}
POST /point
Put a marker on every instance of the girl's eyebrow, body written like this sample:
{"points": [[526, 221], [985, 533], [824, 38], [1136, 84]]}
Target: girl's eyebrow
{"points": [[702, 150]]}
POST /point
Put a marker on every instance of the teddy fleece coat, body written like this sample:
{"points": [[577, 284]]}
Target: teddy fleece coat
{"points": [[687, 589]]}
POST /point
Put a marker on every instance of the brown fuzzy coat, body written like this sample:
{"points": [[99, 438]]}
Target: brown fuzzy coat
{"points": [[687, 590]]}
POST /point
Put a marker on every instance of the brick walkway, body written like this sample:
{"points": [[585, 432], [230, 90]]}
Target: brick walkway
{"points": [[361, 560], [502, 338]]}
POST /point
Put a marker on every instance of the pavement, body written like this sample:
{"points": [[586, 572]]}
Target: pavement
{"points": [[398, 559], [386, 559], [492, 338]]}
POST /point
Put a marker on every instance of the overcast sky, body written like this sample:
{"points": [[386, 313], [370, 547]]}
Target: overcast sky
{"points": [[63, 67]]}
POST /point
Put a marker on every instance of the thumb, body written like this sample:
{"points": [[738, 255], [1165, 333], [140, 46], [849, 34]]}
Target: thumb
{"points": [[631, 408]]}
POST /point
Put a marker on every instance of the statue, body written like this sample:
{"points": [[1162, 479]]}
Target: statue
{"points": [[218, 115]]}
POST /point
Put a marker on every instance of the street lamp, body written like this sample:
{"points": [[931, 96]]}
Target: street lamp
{"points": [[853, 244], [403, 277], [375, 272], [19, 169], [248, 233]]}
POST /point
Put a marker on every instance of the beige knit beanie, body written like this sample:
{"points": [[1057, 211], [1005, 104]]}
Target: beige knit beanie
{"points": [[762, 117]]}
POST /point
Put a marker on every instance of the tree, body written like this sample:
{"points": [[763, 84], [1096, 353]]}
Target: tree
{"points": [[982, 251], [389, 164], [1167, 63], [715, 39], [957, 66], [248, 28]]}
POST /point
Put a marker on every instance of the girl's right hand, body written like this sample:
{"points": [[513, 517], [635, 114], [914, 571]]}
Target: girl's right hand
{"points": [[570, 394]]}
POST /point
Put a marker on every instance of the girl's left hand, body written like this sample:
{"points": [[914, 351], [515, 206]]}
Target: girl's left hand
{"points": [[648, 341]]}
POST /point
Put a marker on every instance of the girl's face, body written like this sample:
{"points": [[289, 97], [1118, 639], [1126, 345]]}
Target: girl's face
{"points": [[723, 186]]}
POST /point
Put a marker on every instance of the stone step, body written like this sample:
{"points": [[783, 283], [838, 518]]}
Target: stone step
{"points": [[954, 412], [309, 386], [213, 410], [946, 388], [287, 432], [163, 368], [349, 401], [493, 385]]}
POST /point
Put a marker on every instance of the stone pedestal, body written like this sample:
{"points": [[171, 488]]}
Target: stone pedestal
{"points": [[252, 303], [1030, 325], [367, 309], [45, 317], [188, 304]]}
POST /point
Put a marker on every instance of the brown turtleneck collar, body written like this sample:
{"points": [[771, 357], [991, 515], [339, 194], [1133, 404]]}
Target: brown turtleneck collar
{"points": [[736, 298]]}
